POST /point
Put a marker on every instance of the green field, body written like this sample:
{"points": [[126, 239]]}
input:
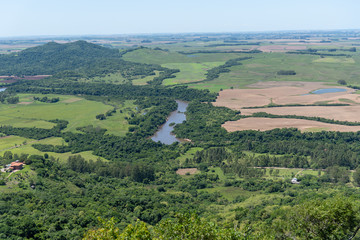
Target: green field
{"points": [[16, 145], [78, 111], [264, 67], [189, 72]]}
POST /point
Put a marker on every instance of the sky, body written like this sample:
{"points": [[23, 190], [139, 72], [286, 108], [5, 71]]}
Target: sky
{"points": [[103, 17]]}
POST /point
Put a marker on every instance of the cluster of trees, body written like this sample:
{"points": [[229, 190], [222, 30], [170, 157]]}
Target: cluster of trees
{"points": [[167, 73], [286, 72], [46, 99], [312, 52], [6, 97]]}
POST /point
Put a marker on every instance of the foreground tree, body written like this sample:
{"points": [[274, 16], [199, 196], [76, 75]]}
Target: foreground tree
{"points": [[334, 218]]}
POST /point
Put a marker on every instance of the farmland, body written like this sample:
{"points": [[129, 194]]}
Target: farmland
{"points": [[78, 111], [236, 169]]}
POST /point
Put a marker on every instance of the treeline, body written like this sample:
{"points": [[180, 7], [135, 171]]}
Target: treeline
{"points": [[274, 105], [124, 91], [319, 119], [352, 49], [310, 52], [216, 71], [46, 99], [167, 73]]}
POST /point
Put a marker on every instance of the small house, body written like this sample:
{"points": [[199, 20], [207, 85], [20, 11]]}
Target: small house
{"points": [[16, 165], [294, 181]]}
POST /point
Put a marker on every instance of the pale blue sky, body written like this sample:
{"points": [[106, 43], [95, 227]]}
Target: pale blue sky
{"points": [[79, 17]]}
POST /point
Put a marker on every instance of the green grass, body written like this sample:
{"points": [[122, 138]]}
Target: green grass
{"points": [[28, 149], [189, 154], [144, 80], [78, 111], [189, 72], [114, 78], [264, 67]]}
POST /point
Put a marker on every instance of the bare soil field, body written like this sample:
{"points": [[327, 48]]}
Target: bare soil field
{"points": [[264, 124], [184, 171], [283, 93]]}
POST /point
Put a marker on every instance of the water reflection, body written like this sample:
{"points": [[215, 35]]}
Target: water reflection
{"points": [[164, 134]]}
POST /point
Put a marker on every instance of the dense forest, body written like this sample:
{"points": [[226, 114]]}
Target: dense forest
{"points": [[242, 188]]}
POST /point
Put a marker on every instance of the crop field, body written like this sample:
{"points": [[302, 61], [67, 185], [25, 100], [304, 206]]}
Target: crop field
{"points": [[287, 93], [78, 111], [264, 124]]}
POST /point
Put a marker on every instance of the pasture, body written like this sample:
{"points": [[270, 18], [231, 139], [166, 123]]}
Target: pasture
{"points": [[263, 67], [18, 145], [78, 111]]}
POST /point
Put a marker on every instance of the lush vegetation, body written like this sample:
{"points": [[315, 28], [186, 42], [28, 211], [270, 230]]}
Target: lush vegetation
{"points": [[93, 172]]}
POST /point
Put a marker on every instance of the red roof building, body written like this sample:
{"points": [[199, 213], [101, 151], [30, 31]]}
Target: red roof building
{"points": [[16, 165]]}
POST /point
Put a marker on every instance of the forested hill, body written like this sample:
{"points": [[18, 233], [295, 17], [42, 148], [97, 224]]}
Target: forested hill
{"points": [[75, 59]]}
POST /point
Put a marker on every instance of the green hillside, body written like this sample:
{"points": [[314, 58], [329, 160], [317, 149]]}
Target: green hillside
{"points": [[74, 59]]}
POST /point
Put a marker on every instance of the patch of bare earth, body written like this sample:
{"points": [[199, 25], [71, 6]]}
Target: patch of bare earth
{"points": [[264, 124], [184, 171], [25, 103]]}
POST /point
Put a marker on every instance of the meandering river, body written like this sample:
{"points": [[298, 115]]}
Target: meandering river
{"points": [[164, 134]]}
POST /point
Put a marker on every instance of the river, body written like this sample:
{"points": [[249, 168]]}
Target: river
{"points": [[164, 134]]}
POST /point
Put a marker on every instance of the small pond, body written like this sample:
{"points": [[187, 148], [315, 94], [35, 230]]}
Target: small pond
{"points": [[164, 134], [328, 90], [2, 89]]}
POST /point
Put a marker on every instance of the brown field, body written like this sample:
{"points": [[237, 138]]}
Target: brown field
{"points": [[283, 93], [35, 77], [183, 171], [264, 124]]}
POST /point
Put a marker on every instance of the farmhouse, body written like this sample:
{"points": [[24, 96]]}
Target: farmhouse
{"points": [[16, 165]]}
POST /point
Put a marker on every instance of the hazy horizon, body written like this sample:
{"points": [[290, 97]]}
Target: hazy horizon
{"points": [[79, 18]]}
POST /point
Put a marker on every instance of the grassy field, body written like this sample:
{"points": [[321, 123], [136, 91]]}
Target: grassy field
{"points": [[189, 154], [264, 67], [8, 144], [78, 111], [114, 78], [189, 72]]}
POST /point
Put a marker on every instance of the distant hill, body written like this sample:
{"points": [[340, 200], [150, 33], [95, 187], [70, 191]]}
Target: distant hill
{"points": [[75, 59]]}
